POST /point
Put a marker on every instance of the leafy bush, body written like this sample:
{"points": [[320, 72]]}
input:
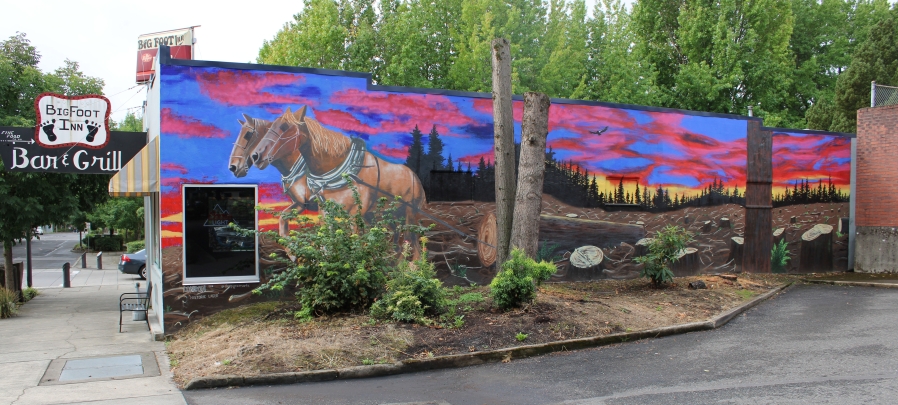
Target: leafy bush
{"points": [[8, 299], [517, 280], [29, 293], [662, 251], [341, 260], [779, 257], [135, 246], [413, 291], [107, 244]]}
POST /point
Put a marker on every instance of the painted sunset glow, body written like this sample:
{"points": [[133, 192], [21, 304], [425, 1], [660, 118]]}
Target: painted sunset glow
{"points": [[800, 156], [684, 153]]}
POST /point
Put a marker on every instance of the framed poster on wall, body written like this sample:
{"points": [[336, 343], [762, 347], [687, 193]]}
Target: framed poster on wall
{"points": [[213, 252]]}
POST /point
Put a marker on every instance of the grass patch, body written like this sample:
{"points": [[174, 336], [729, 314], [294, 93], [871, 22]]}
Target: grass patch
{"points": [[745, 294]]}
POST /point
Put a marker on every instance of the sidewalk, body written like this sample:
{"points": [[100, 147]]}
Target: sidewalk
{"points": [[51, 277], [62, 324]]}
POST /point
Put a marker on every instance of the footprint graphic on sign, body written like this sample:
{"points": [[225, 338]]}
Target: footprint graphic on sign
{"points": [[92, 128], [48, 127]]}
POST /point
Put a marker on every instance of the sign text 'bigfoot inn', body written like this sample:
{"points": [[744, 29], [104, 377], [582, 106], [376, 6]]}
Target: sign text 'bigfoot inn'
{"points": [[180, 41]]}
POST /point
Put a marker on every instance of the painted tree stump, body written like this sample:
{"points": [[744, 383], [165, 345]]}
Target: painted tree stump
{"points": [[793, 220], [567, 233], [642, 246], [816, 254], [586, 263], [687, 263], [724, 222], [736, 249], [707, 226], [843, 225], [778, 235]]}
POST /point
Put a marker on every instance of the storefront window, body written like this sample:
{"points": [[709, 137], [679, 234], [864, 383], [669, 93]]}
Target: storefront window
{"points": [[213, 252]]}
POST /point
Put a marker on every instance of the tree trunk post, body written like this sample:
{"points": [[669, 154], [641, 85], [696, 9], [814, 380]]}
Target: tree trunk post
{"points": [[28, 254], [503, 133], [529, 194], [9, 277], [758, 200]]}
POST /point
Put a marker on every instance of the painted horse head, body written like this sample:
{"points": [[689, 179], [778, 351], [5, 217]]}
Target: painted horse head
{"points": [[283, 137], [251, 132]]}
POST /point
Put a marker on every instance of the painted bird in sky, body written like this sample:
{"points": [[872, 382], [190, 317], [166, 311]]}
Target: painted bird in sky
{"points": [[599, 132]]}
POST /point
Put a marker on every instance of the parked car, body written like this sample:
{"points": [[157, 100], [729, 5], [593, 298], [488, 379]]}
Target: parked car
{"points": [[39, 230], [134, 263]]}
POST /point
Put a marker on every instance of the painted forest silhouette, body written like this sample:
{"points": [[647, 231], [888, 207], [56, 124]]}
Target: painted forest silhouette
{"points": [[567, 181]]}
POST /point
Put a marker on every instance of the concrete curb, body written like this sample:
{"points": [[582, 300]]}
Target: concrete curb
{"points": [[471, 359], [852, 283]]}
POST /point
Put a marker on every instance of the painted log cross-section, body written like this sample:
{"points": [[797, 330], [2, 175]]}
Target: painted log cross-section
{"points": [[758, 200], [567, 233]]}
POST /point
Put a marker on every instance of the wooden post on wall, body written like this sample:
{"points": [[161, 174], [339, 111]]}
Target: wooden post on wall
{"points": [[758, 200]]}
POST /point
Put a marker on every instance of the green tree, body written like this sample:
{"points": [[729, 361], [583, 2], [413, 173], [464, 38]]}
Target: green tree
{"points": [[32, 199], [315, 38], [875, 59], [119, 213], [131, 123], [614, 71]]}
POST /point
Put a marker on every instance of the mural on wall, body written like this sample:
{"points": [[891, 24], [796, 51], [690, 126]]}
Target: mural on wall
{"points": [[614, 174], [811, 183]]}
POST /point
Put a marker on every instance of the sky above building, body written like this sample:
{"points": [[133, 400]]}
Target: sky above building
{"points": [[101, 35]]}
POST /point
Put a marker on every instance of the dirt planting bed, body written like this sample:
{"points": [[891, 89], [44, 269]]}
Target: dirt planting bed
{"points": [[264, 338]]}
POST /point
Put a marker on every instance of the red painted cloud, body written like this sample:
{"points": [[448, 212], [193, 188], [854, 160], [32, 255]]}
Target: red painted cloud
{"points": [[188, 127], [243, 88]]}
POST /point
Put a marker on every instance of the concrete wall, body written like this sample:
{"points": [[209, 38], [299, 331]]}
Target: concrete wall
{"points": [[877, 249], [876, 243]]}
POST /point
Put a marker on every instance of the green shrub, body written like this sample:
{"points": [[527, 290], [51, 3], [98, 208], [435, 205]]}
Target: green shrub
{"points": [[8, 299], [517, 279], [342, 261], [779, 257], [662, 251], [413, 291], [135, 246], [29, 293], [107, 244]]}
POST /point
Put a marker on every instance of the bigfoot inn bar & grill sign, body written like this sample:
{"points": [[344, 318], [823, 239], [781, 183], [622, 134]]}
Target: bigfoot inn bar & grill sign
{"points": [[72, 136]]}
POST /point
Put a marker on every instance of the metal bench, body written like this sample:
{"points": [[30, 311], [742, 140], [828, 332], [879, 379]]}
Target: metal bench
{"points": [[135, 302]]}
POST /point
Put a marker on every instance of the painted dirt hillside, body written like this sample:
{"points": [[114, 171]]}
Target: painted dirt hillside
{"points": [[236, 137]]}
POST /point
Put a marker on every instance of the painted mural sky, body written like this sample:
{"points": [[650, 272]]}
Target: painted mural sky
{"points": [[813, 157], [200, 107]]}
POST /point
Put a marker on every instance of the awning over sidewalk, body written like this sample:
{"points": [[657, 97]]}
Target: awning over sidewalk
{"points": [[140, 176]]}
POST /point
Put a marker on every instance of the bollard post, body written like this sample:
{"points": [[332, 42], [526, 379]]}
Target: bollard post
{"points": [[84, 260], [66, 282], [100, 261]]}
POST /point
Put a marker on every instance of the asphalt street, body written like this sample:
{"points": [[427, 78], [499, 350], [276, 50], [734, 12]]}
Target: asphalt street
{"points": [[814, 344], [52, 250]]}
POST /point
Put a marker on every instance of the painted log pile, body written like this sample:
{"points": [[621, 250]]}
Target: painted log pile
{"points": [[568, 233]]}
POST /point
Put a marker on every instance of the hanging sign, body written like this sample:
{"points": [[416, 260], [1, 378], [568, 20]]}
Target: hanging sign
{"points": [[20, 152], [67, 121], [181, 44]]}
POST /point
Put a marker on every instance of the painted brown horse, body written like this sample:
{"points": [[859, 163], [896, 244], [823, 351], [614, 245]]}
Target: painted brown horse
{"points": [[329, 154], [251, 132], [290, 165]]}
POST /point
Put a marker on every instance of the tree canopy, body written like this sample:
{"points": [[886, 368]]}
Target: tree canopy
{"points": [[792, 60], [28, 200]]}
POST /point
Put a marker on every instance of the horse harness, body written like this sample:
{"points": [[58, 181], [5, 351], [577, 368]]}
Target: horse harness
{"points": [[333, 179]]}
